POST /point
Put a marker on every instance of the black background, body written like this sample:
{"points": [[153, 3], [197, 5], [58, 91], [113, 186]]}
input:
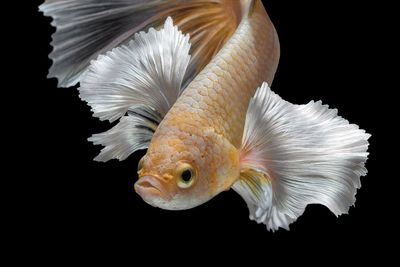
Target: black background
{"points": [[78, 208]]}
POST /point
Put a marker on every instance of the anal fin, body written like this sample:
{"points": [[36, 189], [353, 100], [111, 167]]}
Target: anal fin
{"points": [[295, 155]]}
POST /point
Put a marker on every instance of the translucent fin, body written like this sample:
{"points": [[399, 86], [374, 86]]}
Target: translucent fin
{"points": [[132, 133], [87, 28], [142, 79], [306, 153], [255, 187], [147, 72]]}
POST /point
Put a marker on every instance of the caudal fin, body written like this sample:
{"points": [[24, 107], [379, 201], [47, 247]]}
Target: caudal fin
{"points": [[88, 28], [295, 155]]}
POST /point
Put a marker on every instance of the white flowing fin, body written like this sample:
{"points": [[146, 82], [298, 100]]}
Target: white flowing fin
{"points": [[88, 28], [298, 155], [146, 72], [142, 79], [133, 132]]}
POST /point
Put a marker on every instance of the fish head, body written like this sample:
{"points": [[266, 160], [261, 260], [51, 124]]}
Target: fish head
{"points": [[184, 170]]}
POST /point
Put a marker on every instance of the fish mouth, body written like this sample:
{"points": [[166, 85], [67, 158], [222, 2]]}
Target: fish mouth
{"points": [[149, 187]]}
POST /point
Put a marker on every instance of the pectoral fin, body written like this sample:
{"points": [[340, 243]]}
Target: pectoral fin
{"points": [[295, 155], [255, 187], [133, 132]]}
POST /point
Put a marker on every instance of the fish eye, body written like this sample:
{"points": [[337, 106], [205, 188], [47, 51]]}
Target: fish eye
{"points": [[140, 164], [186, 176]]}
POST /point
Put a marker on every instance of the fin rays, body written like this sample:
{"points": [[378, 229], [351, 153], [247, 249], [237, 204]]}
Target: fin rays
{"points": [[130, 134], [143, 79], [148, 71], [310, 154], [88, 28]]}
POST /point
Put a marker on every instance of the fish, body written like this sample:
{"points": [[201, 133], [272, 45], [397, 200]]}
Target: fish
{"points": [[190, 82]]}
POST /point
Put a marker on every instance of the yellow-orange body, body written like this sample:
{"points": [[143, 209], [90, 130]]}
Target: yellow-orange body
{"points": [[205, 126], [193, 92]]}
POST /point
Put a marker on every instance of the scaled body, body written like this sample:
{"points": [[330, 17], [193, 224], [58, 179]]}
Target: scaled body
{"points": [[189, 80]]}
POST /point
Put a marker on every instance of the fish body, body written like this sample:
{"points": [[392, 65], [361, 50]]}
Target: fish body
{"points": [[209, 116], [193, 88], [219, 95]]}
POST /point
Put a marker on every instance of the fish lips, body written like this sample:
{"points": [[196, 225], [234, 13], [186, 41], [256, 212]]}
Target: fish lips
{"points": [[150, 188]]}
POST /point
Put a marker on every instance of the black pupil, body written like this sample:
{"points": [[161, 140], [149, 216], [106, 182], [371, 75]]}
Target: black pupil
{"points": [[186, 175]]}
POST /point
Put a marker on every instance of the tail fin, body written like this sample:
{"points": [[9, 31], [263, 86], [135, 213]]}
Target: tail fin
{"points": [[295, 155], [87, 28]]}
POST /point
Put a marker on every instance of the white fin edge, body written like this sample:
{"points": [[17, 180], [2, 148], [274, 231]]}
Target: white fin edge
{"points": [[132, 133], [309, 154], [142, 79], [147, 72], [87, 28]]}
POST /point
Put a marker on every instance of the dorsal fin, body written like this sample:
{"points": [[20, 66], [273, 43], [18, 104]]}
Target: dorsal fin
{"points": [[141, 80], [87, 28], [146, 72]]}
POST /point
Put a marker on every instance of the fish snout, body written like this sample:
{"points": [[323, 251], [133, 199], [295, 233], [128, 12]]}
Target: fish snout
{"points": [[150, 187]]}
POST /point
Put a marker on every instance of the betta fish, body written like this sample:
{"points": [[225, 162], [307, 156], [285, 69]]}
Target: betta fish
{"points": [[189, 80]]}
